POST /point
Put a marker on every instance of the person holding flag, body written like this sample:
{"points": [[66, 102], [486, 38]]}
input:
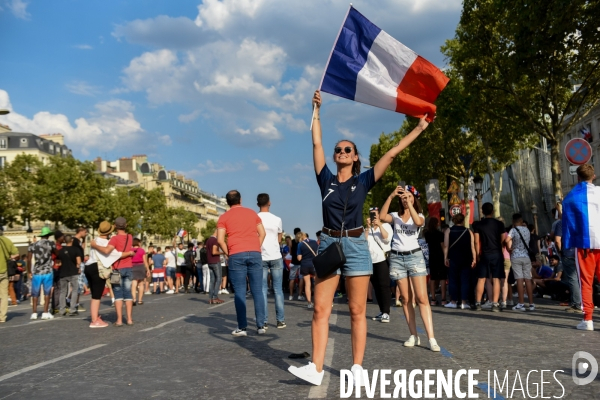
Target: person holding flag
{"points": [[343, 220], [581, 230]]}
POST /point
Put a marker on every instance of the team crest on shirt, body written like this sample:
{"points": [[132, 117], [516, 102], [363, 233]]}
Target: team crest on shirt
{"points": [[353, 187]]}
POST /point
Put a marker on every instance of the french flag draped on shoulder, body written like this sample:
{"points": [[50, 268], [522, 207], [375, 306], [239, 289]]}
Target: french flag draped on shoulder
{"points": [[369, 66], [581, 217]]}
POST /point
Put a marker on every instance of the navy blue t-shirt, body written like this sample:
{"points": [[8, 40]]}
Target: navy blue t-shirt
{"points": [[333, 195]]}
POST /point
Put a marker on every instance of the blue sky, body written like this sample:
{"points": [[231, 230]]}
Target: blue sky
{"points": [[218, 90]]}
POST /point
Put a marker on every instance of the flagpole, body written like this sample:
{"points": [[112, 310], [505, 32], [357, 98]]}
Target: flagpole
{"points": [[329, 59]]}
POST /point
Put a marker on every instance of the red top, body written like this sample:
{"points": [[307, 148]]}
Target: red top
{"points": [[119, 242], [212, 241], [240, 225]]}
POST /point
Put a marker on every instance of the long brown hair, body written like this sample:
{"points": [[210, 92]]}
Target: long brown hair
{"points": [[355, 164], [433, 224], [416, 205]]}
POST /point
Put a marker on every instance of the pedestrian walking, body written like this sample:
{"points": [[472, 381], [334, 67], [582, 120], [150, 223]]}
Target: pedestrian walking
{"points": [[460, 259]]}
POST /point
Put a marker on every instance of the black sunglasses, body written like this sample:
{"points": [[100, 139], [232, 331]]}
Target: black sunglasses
{"points": [[347, 150]]}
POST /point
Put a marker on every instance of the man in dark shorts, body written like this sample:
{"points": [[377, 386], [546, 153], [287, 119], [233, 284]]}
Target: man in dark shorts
{"points": [[489, 236]]}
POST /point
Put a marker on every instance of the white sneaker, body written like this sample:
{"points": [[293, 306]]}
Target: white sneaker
{"points": [[170, 291], [532, 307], [308, 373], [220, 291], [290, 298], [412, 340], [378, 317], [586, 325], [300, 298], [239, 332], [33, 316], [433, 346], [357, 375], [464, 306], [450, 305], [385, 317], [487, 305], [224, 291], [262, 330], [47, 315], [310, 306], [519, 307], [148, 292]]}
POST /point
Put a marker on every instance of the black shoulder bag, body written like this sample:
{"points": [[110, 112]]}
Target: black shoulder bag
{"points": [[530, 250], [332, 258]]}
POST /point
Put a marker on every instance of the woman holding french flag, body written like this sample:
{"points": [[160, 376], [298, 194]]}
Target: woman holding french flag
{"points": [[343, 195]]}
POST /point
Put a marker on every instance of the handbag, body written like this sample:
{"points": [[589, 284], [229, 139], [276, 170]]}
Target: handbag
{"points": [[332, 258], [115, 276], [12, 268], [385, 253]]}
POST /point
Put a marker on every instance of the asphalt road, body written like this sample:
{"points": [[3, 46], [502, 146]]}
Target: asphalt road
{"points": [[181, 347]]}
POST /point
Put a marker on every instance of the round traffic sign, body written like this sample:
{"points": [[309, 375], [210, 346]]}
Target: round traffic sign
{"points": [[455, 210], [578, 151]]}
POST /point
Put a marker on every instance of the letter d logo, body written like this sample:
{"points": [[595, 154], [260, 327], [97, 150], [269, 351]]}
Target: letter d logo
{"points": [[579, 367]]}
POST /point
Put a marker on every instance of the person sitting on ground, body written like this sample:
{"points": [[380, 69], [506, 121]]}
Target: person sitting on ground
{"points": [[551, 285]]}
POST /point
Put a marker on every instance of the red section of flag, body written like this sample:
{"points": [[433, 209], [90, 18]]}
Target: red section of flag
{"points": [[419, 89]]}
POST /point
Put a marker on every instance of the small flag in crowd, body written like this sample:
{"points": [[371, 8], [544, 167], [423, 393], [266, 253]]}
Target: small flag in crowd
{"points": [[581, 217], [587, 135], [181, 233], [369, 66]]}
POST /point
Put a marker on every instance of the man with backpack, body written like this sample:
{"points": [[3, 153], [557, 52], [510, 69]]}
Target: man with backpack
{"points": [[517, 244]]}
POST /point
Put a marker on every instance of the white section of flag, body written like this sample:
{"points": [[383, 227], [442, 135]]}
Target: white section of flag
{"points": [[593, 204], [181, 233], [387, 63], [433, 191]]}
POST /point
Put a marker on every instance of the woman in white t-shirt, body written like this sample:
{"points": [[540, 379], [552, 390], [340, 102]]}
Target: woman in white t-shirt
{"points": [[379, 236], [407, 261]]}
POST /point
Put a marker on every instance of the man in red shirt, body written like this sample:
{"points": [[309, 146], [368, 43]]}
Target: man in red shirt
{"points": [[245, 235]]}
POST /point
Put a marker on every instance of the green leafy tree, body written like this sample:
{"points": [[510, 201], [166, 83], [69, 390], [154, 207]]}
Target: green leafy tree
{"points": [[8, 211], [531, 55], [21, 174], [208, 230]]}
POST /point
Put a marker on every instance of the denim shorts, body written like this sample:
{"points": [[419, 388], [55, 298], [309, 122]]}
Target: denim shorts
{"points": [[123, 291], [294, 272], [170, 272], [407, 266], [356, 250]]}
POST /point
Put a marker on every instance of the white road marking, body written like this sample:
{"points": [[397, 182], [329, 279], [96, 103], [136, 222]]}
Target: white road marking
{"points": [[320, 392], [42, 364], [219, 305], [166, 323]]}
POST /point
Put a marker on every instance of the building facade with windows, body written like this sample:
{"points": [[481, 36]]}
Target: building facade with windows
{"points": [[179, 190]]}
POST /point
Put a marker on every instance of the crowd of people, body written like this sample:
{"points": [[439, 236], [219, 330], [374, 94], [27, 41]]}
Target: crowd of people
{"points": [[395, 254]]}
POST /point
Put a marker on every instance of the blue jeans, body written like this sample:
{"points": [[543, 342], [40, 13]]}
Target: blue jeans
{"points": [[123, 291], [215, 281], [459, 278], [571, 278], [198, 277], [276, 267], [244, 265]]}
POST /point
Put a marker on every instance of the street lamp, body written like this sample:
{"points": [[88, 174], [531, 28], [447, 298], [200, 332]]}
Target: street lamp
{"points": [[534, 211], [478, 181]]}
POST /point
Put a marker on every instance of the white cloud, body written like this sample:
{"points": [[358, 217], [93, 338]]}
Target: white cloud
{"points": [[111, 125], [83, 88], [215, 14], [261, 165], [302, 167], [285, 180], [210, 167], [83, 46], [18, 8], [346, 133], [185, 118]]}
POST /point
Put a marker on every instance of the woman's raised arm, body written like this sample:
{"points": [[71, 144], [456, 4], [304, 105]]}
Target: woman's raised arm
{"points": [[385, 161], [318, 153]]}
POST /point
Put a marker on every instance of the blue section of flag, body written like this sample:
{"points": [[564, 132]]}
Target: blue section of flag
{"points": [[576, 219], [349, 55]]}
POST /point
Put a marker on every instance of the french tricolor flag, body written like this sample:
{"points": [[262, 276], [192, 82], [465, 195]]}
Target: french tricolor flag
{"points": [[181, 233], [369, 66], [581, 217]]}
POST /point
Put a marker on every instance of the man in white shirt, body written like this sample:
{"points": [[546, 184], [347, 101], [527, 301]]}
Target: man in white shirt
{"points": [[271, 257], [171, 268]]}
